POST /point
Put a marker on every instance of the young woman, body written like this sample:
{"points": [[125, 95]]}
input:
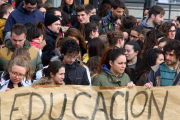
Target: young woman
{"points": [[116, 39], [76, 35], [151, 58], [18, 52], [68, 6], [111, 70], [135, 32], [117, 25], [132, 51], [19, 68], [91, 31], [95, 47], [169, 29], [54, 74], [150, 42]]}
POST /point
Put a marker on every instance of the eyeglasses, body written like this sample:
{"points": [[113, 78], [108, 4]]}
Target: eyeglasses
{"points": [[171, 31], [60, 17], [133, 36], [118, 24], [30, 8], [70, 57], [17, 74]]}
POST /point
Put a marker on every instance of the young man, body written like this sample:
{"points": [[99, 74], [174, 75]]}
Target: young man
{"points": [[156, 14], [25, 13], [117, 11], [53, 26], [75, 73], [92, 9], [18, 39], [165, 74], [5, 10], [83, 16]]}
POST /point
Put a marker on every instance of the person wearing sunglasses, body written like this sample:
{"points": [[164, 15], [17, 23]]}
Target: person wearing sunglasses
{"points": [[25, 13]]}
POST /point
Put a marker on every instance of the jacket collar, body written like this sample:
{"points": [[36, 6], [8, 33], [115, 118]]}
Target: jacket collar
{"points": [[9, 45]]}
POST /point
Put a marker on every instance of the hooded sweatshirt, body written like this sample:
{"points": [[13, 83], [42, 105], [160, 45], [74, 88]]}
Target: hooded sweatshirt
{"points": [[107, 79], [144, 24]]}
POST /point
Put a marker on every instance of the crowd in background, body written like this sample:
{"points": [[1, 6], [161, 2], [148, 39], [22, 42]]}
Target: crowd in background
{"points": [[76, 44]]}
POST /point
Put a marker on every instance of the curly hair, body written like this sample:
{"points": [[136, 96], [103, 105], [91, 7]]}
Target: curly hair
{"points": [[148, 61], [173, 45], [165, 27], [70, 46], [113, 37]]}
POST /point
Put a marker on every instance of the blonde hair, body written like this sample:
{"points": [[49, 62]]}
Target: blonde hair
{"points": [[23, 62]]}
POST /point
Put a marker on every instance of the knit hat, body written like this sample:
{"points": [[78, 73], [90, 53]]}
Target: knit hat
{"points": [[50, 18]]}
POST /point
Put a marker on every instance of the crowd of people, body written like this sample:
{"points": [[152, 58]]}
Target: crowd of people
{"points": [[77, 44]]}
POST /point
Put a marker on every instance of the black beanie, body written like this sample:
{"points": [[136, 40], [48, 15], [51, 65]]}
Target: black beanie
{"points": [[50, 18]]}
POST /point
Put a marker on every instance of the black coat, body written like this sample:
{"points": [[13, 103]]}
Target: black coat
{"points": [[75, 74]]}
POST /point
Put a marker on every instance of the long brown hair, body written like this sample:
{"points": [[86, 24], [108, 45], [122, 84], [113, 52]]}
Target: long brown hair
{"points": [[76, 33]]}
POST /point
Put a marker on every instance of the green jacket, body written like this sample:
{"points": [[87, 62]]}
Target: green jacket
{"points": [[107, 79], [8, 50]]}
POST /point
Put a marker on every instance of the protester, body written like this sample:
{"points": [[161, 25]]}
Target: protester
{"points": [[42, 32], [117, 10], [76, 35], [68, 6], [111, 70], [169, 30], [150, 43], [83, 16], [54, 11], [5, 11], [17, 40], [25, 13], [146, 12], [166, 74], [92, 9], [91, 31], [116, 39], [19, 68], [75, 73], [18, 52], [54, 74], [162, 43], [152, 57], [95, 47], [117, 25], [132, 51], [128, 22], [104, 10], [65, 22], [92, 65], [53, 25], [155, 17], [142, 35], [33, 36], [135, 32], [41, 7]]}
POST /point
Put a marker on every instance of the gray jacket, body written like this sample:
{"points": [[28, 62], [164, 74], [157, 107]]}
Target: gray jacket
{"points": [[143, 23]]}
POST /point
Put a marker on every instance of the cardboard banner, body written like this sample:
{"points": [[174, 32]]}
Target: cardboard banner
{"points": [[90, 103]]}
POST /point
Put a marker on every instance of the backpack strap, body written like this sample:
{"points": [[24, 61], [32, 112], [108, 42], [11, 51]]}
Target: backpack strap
{"points": [[177, 79]]}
